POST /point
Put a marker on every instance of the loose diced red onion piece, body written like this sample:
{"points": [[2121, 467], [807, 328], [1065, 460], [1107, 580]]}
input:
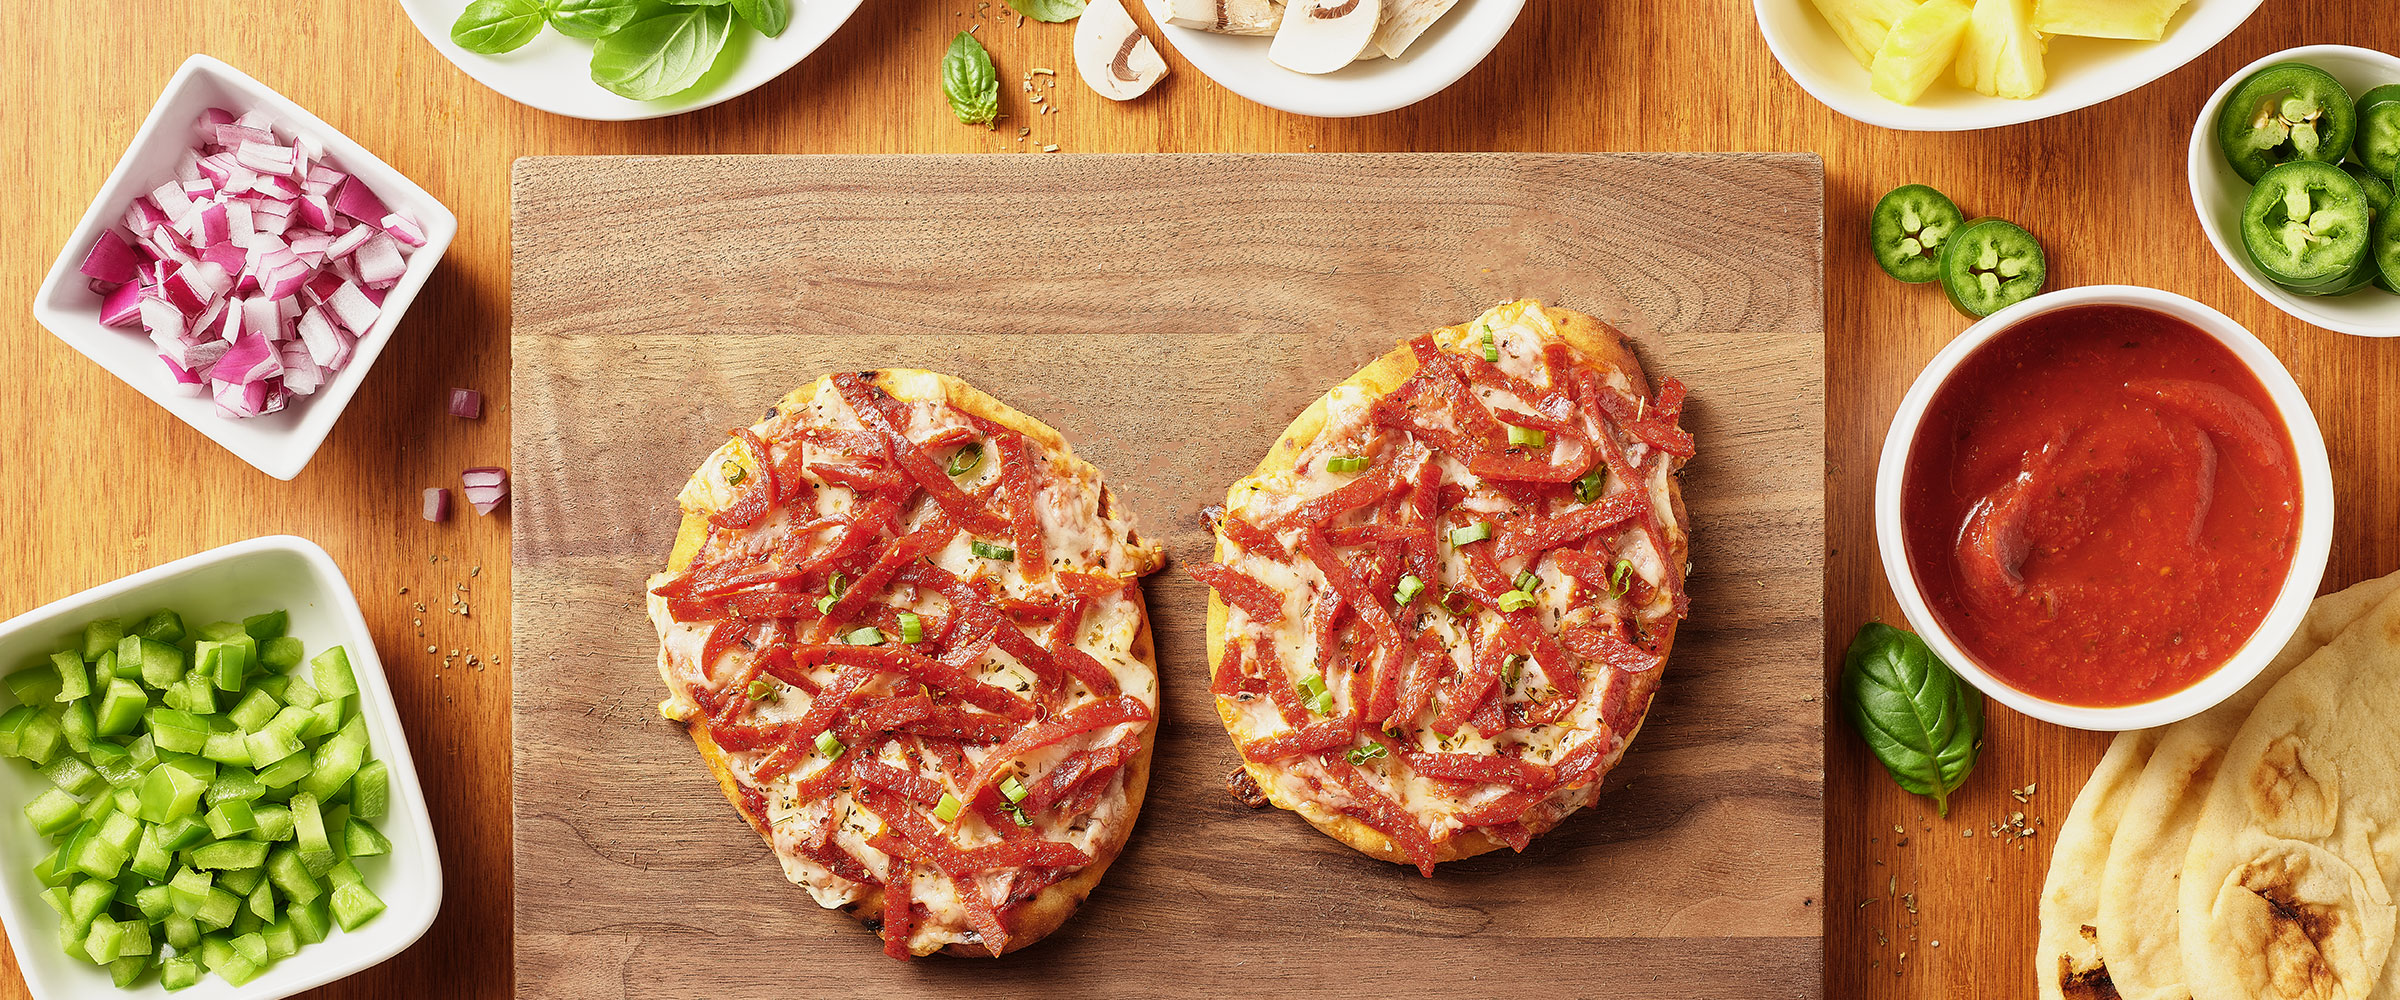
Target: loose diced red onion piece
{"points": [[354, 200], [265, 156], [230, 328], [437, 504], [213, 117], [170, 199], [324, 342], [301, 374], [278, 188], [187, 166], [252, 359], [141, 217], [308, 241], [202, 358], [209, 226], [111, 258], [404, 229], [466, 403], [232, 136], [486, 487], [123, 306]]}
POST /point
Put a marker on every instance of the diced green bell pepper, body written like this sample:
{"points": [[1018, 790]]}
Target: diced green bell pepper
{"points": [[355, 904], [53, 811], [34, 685], [74, 679], [281, 653], [163, 625], [224, 854], [120, 707], [330, 672]]}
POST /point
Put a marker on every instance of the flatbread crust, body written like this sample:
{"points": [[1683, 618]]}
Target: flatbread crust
{"points": [[1604, 348], [1034, 919]]}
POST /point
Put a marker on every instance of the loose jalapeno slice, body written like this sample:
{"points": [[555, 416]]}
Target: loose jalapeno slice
{"points": [[1991, 265], [2306, 227], [2285, 112], [1908, 229], [2377, 146]]}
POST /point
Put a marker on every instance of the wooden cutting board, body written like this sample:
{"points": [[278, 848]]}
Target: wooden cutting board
{"points": [[1169, 314]]}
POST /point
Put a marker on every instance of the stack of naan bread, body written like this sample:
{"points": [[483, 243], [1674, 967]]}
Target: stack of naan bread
{"points": [[2251, 852]]}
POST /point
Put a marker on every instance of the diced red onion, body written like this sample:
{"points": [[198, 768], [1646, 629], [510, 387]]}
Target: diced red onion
{"points": [[255, 270], [486, 487], [437, 504], [466, 403]]}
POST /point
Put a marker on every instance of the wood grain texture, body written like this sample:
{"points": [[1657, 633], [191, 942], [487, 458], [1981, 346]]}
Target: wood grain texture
{"points": [[2104, 188], [1169, 314]]}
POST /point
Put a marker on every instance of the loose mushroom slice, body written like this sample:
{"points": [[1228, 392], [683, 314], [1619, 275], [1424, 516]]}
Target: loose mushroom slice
{"points": [[1321, 36], [1113, 55], [1225, 17], [1406, 20]]}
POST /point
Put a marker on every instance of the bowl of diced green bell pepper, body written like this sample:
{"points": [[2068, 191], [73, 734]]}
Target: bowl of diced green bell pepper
{"points": [[207, 789]]}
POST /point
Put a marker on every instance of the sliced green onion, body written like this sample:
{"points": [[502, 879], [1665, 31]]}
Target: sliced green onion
{"points": [[1528, 582], [1361, 755], [1587, 489], [761, 689], [828, 746], [912, 628], [965, 459], [1491, 347], [836, 584], [949, 808], [1408, 590], [733, 472], [1017, 812], [1515, 665], [1517, 600], [987, 550], [1348, 463], [1528, 436], [825, 604], [1475, 532], [1014, 789], [1620, 578], [1312, 685], [1322, 704], [868, 636]]}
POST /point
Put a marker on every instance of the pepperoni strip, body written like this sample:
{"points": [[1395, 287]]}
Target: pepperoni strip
{"points": [[1535, 534], [1025, 522], [1095, 715], [1361, 492], [870, 402], [1310, 738], [1240, 590], [754, 502], [1488, 768], [897, 915], [1377, 810]]}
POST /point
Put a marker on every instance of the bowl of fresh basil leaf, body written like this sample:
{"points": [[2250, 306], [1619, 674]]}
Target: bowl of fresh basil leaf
{"points": [[620, 60]]}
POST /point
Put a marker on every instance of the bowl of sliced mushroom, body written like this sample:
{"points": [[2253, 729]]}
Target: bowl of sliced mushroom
{"points": [[1334, 58]]}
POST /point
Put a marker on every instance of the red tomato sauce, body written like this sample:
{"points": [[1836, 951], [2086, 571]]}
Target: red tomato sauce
{"points": [[2101, 505]]}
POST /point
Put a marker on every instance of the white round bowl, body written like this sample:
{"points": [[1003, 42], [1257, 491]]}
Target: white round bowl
{"points": [[554, 72], [2218, 194], [2299, 585], [2082, 71], [1458, 42]]}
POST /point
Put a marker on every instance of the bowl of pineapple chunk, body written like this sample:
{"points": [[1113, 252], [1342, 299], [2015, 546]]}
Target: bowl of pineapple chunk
{"points": [[1954, 65]]}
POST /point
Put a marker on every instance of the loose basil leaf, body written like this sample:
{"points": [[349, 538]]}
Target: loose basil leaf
{"points": [[1919, 718], [495, 26], [661, 56], [970, 82], [770, 17], [592, 18], [1052, 11]]}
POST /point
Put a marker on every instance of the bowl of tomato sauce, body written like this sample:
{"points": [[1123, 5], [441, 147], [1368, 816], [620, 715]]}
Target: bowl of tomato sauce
{"points": [[2107, 507]]}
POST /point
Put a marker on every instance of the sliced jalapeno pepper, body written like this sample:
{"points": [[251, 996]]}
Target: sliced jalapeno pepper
{"points": [[1990, 265], [1908, 229], [2285, 112], [2383, 248], [2306, 227], [2377, 146], [2379, 192]]}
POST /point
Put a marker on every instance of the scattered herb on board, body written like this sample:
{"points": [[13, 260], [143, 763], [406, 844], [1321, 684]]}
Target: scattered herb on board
{"points": [[495, 26], [1920, 720], [970, 82], [1051, 11]]}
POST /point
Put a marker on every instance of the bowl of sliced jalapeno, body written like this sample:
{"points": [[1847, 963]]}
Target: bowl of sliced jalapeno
{"points": [[2293, 164]]}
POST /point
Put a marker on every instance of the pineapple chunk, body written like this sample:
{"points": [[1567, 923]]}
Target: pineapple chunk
{"points": [[2140, 19], [1863, 23], [2002, 54], [1919, 48]]}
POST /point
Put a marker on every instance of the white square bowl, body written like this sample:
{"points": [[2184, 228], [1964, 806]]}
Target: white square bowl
{"points": [[227, 584], [279, 444]]}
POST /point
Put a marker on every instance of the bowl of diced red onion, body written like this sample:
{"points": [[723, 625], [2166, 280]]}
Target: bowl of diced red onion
{"points": [[244, 265]]}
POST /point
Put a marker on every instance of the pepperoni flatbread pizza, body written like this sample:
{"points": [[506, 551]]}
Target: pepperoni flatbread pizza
{"points": [[1444, 600], [902, 625]]}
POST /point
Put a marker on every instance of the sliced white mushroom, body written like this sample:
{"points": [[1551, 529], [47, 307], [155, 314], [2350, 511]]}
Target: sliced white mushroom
{"points": [[1404, 20], [1321, 36], [1225, 17], [1113, 55]]}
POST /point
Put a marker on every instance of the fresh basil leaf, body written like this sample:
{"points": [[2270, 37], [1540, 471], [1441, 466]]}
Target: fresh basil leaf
{"points": [[592, 18], [770, 17], [661, 56], [970, 82], [697, 3], [1052, 11], [1919, 718], [495, 26]]}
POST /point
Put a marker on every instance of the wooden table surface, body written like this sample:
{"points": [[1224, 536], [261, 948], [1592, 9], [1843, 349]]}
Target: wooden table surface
{"points": [[110, 484]]}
